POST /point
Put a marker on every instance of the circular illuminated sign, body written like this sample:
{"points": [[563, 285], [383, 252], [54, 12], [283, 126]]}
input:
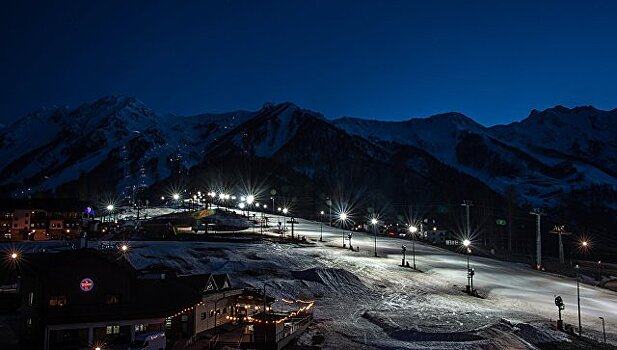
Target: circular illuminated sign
{"points": [[86, 284]]}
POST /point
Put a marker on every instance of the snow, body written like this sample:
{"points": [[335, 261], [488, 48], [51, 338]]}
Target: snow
{"points": [[581, 136], [368, 302]]}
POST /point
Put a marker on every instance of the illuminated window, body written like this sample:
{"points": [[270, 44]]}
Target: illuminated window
{"points": [[30, 298], [57, 300], [112, 330], [140, 327]]}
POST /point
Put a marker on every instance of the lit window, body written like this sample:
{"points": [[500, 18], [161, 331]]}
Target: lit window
{"points": [[57, 300], [140, 327], [30, 298], [112, 330]]}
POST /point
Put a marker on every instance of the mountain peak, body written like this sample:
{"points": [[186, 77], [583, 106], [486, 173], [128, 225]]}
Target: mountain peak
{"points": [[456, 118]]}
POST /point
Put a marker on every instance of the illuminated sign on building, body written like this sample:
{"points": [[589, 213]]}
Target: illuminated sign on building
{"points": [[86, 284]]}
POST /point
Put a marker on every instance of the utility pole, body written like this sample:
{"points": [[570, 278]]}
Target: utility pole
{"points": [[560, 230], [538, 212], [467, 204], [578, 301]]}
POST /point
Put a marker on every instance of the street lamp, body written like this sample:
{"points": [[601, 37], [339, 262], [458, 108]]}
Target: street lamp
{"points": [[374, 222], [343, 218], [321, 226], [110, 209], [578, 300], [285, 211], [413, 231], [466, 244]]}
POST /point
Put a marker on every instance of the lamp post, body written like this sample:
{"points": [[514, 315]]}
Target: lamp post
{"points": [[321, 226], [578, 300], [272, 198], [403, 250], [413, 231], [110, 209], [285, 211], [374, 222], [466, 244], [603, 329], [343, 218]]}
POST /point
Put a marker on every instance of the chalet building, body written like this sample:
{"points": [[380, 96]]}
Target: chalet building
{"points": [[220, 304], [84, 298], [41, 219], [81, 298]]}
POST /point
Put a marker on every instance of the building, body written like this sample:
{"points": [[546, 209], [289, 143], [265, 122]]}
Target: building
{"points": [[86, 298], [41, 219], [82, 298]]}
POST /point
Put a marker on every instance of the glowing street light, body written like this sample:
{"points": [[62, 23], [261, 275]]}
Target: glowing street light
{"points": [[467, 244], [176, 196], [124, 248], [374, 222], [413, 231], [321, 226], [110, 209], [343, 218], [284, 211], [14, 255], [250, 199]]}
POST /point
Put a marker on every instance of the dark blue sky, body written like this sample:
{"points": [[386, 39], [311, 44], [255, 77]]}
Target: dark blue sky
{"points": [[492, 60]]}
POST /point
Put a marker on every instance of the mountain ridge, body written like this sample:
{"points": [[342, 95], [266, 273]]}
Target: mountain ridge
{"points": [[541, 155]]}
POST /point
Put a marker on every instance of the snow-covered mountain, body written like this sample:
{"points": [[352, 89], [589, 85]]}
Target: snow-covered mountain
{"points": [[544, 156], [117, 143]]}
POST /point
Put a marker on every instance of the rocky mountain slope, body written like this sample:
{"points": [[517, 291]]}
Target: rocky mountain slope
{"points": [[118, 144]]}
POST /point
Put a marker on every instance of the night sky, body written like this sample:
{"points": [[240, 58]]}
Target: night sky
{"points": [[391, 60]]}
